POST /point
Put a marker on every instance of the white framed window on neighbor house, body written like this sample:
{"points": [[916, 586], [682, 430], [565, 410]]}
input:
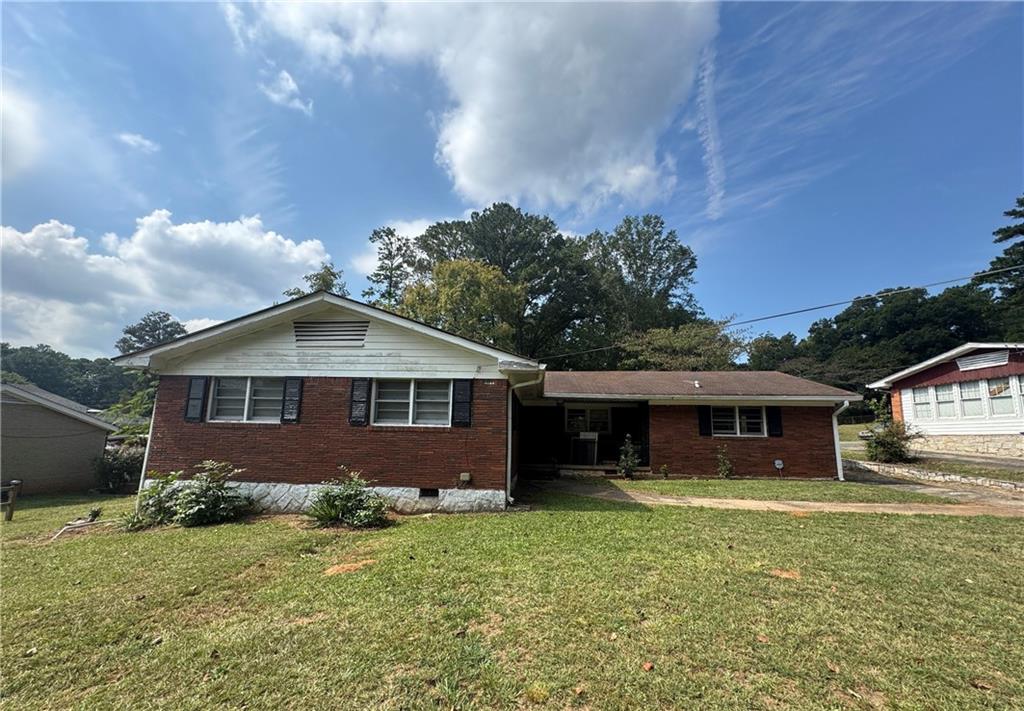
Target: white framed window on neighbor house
{"points": [[408, 402], [246, 399], [945, 404], [922, 404], [588, 418], [1000, 398], [970, 399], [742, 421]]}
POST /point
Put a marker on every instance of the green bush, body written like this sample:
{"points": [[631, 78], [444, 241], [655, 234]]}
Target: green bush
{"points": [[629, 458], [890, 443], [119, 468], [723, 463], [348, 502], [203, 500]]}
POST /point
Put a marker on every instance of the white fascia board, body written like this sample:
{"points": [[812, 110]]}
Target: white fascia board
{"points": [[57, 407], [247, 324], [887, 382]]}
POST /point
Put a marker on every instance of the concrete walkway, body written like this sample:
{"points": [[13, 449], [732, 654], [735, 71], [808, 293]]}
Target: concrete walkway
{"points": [[992, 506]]}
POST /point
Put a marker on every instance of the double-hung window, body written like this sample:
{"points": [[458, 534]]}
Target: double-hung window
{"points": [[970, 399], [1000, 397], [412, 402], [246, 399], [738, 421], [944, 404], [922, 404], [587, 419]]}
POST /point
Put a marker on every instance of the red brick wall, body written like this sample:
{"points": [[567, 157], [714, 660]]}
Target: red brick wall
{"points": [[807, 445], [944, 373], [896, 400], [310, 452]]}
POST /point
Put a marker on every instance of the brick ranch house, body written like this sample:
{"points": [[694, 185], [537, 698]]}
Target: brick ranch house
{"points": [[440, 422], [969, 400]]}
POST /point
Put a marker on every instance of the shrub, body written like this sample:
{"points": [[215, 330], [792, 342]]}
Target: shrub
{"points": [[347, 501], [203, 500], [723, 463], [208, 499], [118, 468], [629, 459], [891, 443]]}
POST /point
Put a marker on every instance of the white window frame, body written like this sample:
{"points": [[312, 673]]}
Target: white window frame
{"points": [[1009, 396], [982, 389], [246, 418], [587, 407], [929, 401], [412, 403], [736, 420], [953, 389]]}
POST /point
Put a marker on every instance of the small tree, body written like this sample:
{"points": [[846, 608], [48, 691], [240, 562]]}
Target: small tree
{"points": [[395, 257], [326, 278], [629, 458], [891, 440]]}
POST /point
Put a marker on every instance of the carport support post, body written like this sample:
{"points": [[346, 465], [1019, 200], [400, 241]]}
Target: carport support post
{"points": [[835, 435]]}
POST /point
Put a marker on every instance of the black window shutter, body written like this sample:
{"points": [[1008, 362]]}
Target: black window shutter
{"points": [[291, 404], [462, 403], [195, 403], [359, 406], [773, 414], [704, 420]]}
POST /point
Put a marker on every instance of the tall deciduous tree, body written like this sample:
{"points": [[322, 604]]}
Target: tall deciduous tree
{"points": [[1009, 285], [327, 278], [468, 298], [154, 328], [701, 345], [395, 259]]}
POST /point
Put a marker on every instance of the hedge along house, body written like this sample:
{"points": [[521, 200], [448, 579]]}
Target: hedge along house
{"points": [[439, 422], [969, 400]]}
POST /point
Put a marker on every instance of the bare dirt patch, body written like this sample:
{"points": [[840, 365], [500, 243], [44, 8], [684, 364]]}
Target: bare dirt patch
{"points": [[783, 573], [349, 567]]}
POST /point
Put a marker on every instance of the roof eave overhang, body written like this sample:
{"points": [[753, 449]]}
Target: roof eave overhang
{"points": [[887, 382], [68, 412], [702, 399]]}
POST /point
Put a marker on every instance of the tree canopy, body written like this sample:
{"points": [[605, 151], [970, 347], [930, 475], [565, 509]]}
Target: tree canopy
{"points": [[326, 278], [154, 328]]}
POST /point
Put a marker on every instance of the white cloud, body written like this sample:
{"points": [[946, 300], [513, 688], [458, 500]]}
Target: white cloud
{"points": [[283, 91], [364, 262], [22, 141], [59, 289], [198, 324], [710, 140], [556, 104], [138, 142]]}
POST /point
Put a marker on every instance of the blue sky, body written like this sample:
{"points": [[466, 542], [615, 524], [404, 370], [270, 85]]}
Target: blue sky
{"points": [[806, 152]]}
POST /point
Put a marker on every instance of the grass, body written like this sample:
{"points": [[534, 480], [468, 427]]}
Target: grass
{"points": [[951, 466], [848, 433], [560, 607], [778, 490]]}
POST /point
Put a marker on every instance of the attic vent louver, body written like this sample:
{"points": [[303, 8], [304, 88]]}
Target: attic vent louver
{"points": [[983, 360], [330, 334]]}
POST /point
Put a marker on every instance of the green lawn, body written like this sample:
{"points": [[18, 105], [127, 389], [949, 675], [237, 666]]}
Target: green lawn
{"points": [[948, 466], [559, 607], [778, 490], [848, 433]]}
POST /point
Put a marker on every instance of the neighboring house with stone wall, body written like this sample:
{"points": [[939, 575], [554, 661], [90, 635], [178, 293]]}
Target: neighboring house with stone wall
{"points": [[439, 422], [969, 400], [47, 441]]}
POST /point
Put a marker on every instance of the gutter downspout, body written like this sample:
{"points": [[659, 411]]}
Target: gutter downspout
{"points": [[835, 434], [509, 501], [149, 442]]}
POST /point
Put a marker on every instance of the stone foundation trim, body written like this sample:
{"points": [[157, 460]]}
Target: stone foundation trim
{"points": [[991, 445], [297, 498], [927, 475]]}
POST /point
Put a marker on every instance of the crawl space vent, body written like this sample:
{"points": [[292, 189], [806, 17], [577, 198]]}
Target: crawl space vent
{"points": [[330, 334], [983, 360]]}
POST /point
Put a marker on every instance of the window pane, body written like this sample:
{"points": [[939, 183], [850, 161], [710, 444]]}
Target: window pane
{"points": [[266, 395], [431, 402], [947, 409], [228, 399], [921, 395], [971, 408], [998, 387], [944, 393], [922, 411], [970, 390], [723, 420], [392, 402], [575, 420], [599, 421], [751, 421]]}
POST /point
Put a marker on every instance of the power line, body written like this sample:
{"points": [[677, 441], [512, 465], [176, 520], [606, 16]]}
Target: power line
{"points": [[815, 308]]}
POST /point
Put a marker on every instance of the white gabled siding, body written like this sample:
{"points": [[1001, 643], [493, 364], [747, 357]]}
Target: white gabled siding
{"points": [[987, 423], [389, 351]]}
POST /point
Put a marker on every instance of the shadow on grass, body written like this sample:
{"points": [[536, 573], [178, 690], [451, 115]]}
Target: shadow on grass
{"points": [[45, 501], [545, 499]]}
